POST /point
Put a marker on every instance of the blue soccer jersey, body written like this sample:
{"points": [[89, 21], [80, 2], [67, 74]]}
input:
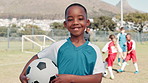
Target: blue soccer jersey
{"points": [[122, 40], [83, 60]]}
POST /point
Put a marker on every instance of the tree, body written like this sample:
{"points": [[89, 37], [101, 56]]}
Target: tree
{"points": [[104, 23], [29, 29], [139, 20], [3, 31], [57, 25]]}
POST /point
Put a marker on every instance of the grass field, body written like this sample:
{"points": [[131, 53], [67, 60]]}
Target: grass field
{"points": [[13, 61]]}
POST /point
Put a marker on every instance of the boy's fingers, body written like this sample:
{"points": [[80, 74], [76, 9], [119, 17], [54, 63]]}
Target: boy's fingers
{"points": [[25, 78], [56, 79], [57, 75], [24, 82]]}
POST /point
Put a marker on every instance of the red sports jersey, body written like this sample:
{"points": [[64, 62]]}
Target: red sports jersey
{"points": [[131, 45], [112, 52], [110, 47], [132, 55]]}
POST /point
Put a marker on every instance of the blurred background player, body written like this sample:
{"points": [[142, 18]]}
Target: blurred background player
{"points": [[87, 34], [112, 48], [121, 39], [131, 54]]}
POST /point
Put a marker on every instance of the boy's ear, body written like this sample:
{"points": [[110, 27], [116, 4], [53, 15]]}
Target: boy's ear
{"points": [[88, 23], [65, 25]]}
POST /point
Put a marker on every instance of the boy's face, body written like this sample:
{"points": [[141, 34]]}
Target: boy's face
{"points": [[76, 20], [87, 29], [114, 39], [128, 37], [122, 31]]}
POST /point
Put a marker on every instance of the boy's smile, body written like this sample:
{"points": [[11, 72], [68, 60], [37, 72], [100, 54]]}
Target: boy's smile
{"points": [[76, 20]]}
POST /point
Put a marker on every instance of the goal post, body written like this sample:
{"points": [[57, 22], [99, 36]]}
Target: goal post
{"points": [[36, 41]]}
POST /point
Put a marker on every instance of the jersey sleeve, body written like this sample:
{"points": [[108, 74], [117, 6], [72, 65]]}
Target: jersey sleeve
{"points": [[134, 45], [99, 65], [49, 52], [105, 48]]}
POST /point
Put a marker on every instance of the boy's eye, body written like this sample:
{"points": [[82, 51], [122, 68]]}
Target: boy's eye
{"points": [[80, 18], [70, 19]]}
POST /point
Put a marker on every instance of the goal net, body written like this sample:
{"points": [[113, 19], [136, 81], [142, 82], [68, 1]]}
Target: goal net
{"points": [[35, 43]]}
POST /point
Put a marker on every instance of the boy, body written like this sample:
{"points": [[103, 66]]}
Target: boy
{"points": [[121, 39], [87, 34], [78, 61], [131, 54], [112, 49]]}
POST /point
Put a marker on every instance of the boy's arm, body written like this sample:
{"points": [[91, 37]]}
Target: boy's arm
{"points": [[119, 48], [66, 78], [23, 77], [133, 47], [105, 48], [118, 37], [129, 51], [49, 52]]}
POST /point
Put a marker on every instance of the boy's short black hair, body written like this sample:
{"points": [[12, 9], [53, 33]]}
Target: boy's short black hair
{"points": [[128, 34], [112, 36], [76, 4], [122, 28]]}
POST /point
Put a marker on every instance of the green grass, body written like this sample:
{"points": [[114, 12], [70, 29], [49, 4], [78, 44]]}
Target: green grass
{"points": [[17, 46], [13, 61], [11, 64]]}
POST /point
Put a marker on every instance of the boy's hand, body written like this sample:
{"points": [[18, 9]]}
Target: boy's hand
{"points": [[129, 51], [62, 78], [23, 79], [123, 57]]}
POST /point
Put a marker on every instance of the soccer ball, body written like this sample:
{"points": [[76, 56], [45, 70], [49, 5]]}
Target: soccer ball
{"points": [[41, 71], [105, 73]]}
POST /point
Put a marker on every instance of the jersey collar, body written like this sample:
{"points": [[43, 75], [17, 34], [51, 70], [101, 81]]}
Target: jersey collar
{"points": [[77, 48]]}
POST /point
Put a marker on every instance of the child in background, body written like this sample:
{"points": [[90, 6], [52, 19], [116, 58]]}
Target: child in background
{"points": [[131, 54], [121, 40], [87, 34], [78, 61], [112, 48]]}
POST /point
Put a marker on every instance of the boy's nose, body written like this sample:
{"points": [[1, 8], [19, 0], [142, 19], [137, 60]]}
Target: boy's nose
{"points": [[75, 22]]}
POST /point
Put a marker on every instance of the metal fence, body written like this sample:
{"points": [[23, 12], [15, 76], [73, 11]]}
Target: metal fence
{"points": [[10, 38], [102, 36]]}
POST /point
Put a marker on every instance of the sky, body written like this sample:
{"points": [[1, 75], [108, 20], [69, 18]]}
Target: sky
{"points": [[141, 5]]}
